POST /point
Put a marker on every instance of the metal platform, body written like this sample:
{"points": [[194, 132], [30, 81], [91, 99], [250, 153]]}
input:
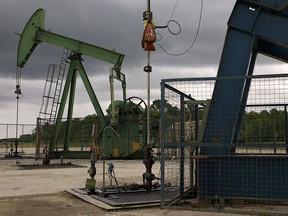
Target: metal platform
{"points": [[135, 199]]}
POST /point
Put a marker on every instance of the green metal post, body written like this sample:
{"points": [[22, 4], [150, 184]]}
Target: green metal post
{"points": [[113, 121], [70, 111], [92, 95], [124, 90]]}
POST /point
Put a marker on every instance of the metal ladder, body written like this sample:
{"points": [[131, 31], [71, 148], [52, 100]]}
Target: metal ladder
{"points": [[52, 90]]}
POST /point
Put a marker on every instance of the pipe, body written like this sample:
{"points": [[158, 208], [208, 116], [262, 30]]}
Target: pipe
{"points": [[104, 156]]}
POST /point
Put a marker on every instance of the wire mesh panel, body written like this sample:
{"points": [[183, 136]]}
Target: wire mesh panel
{"points": [[79, 141], [224, 147]]}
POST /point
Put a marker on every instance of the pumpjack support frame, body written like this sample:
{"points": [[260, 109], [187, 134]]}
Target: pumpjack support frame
{"points": [[253, 28]]}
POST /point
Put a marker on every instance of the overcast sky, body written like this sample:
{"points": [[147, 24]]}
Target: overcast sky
{"points": [[112, 24]]}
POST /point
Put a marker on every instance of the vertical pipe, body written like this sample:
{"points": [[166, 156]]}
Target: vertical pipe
{"points": [[7, 130], [111, 80], [197, 122], [148, 102], [17, 92], [162, 144], [37, 149], [148, 81], [124, 87], [103, 153], [182, 140], [17, 122], [149, 9], [104, 156]]}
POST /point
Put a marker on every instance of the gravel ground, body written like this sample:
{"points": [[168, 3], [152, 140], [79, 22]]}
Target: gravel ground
{"points": [[41, 191]]}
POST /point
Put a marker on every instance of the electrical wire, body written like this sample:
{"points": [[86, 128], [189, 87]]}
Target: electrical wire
{"points": [[196, 35]]}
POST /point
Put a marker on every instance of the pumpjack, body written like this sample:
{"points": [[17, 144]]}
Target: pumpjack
{"points": [[121, 132]]}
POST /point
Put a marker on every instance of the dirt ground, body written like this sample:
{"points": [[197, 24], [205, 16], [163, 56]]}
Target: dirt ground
{"points": [[63, 204], [36, 192]]}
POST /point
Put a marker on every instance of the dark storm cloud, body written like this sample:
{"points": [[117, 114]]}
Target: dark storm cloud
{"points": [[114, 25], [95, 22]]}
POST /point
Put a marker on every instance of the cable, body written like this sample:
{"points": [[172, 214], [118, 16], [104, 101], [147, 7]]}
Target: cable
{"points": [[29, 100], [195, 38], [176, 3]]}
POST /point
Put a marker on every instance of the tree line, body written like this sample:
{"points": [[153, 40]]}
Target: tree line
{"points": [[264, 126]]}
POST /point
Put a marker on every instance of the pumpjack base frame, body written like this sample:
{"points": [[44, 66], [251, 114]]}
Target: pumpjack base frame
{"points": [[87, 155], [70, 154]]}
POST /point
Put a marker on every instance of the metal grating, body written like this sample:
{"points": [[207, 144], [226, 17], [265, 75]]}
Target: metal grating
{"points": [[126, 198], [140, 198], [224, 153]]}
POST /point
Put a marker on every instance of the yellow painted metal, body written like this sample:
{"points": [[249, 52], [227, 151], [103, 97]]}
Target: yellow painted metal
{"points": [[116, 152], [135, 146]]}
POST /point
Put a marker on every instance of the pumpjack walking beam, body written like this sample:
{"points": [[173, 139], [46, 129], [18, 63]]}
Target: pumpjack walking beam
{"points": [[33, 34]]}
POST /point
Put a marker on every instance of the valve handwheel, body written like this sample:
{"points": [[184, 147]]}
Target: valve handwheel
{"points": [[135, 105]]}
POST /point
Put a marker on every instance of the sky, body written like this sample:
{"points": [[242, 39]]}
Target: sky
{"points": [[114, 25]]}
